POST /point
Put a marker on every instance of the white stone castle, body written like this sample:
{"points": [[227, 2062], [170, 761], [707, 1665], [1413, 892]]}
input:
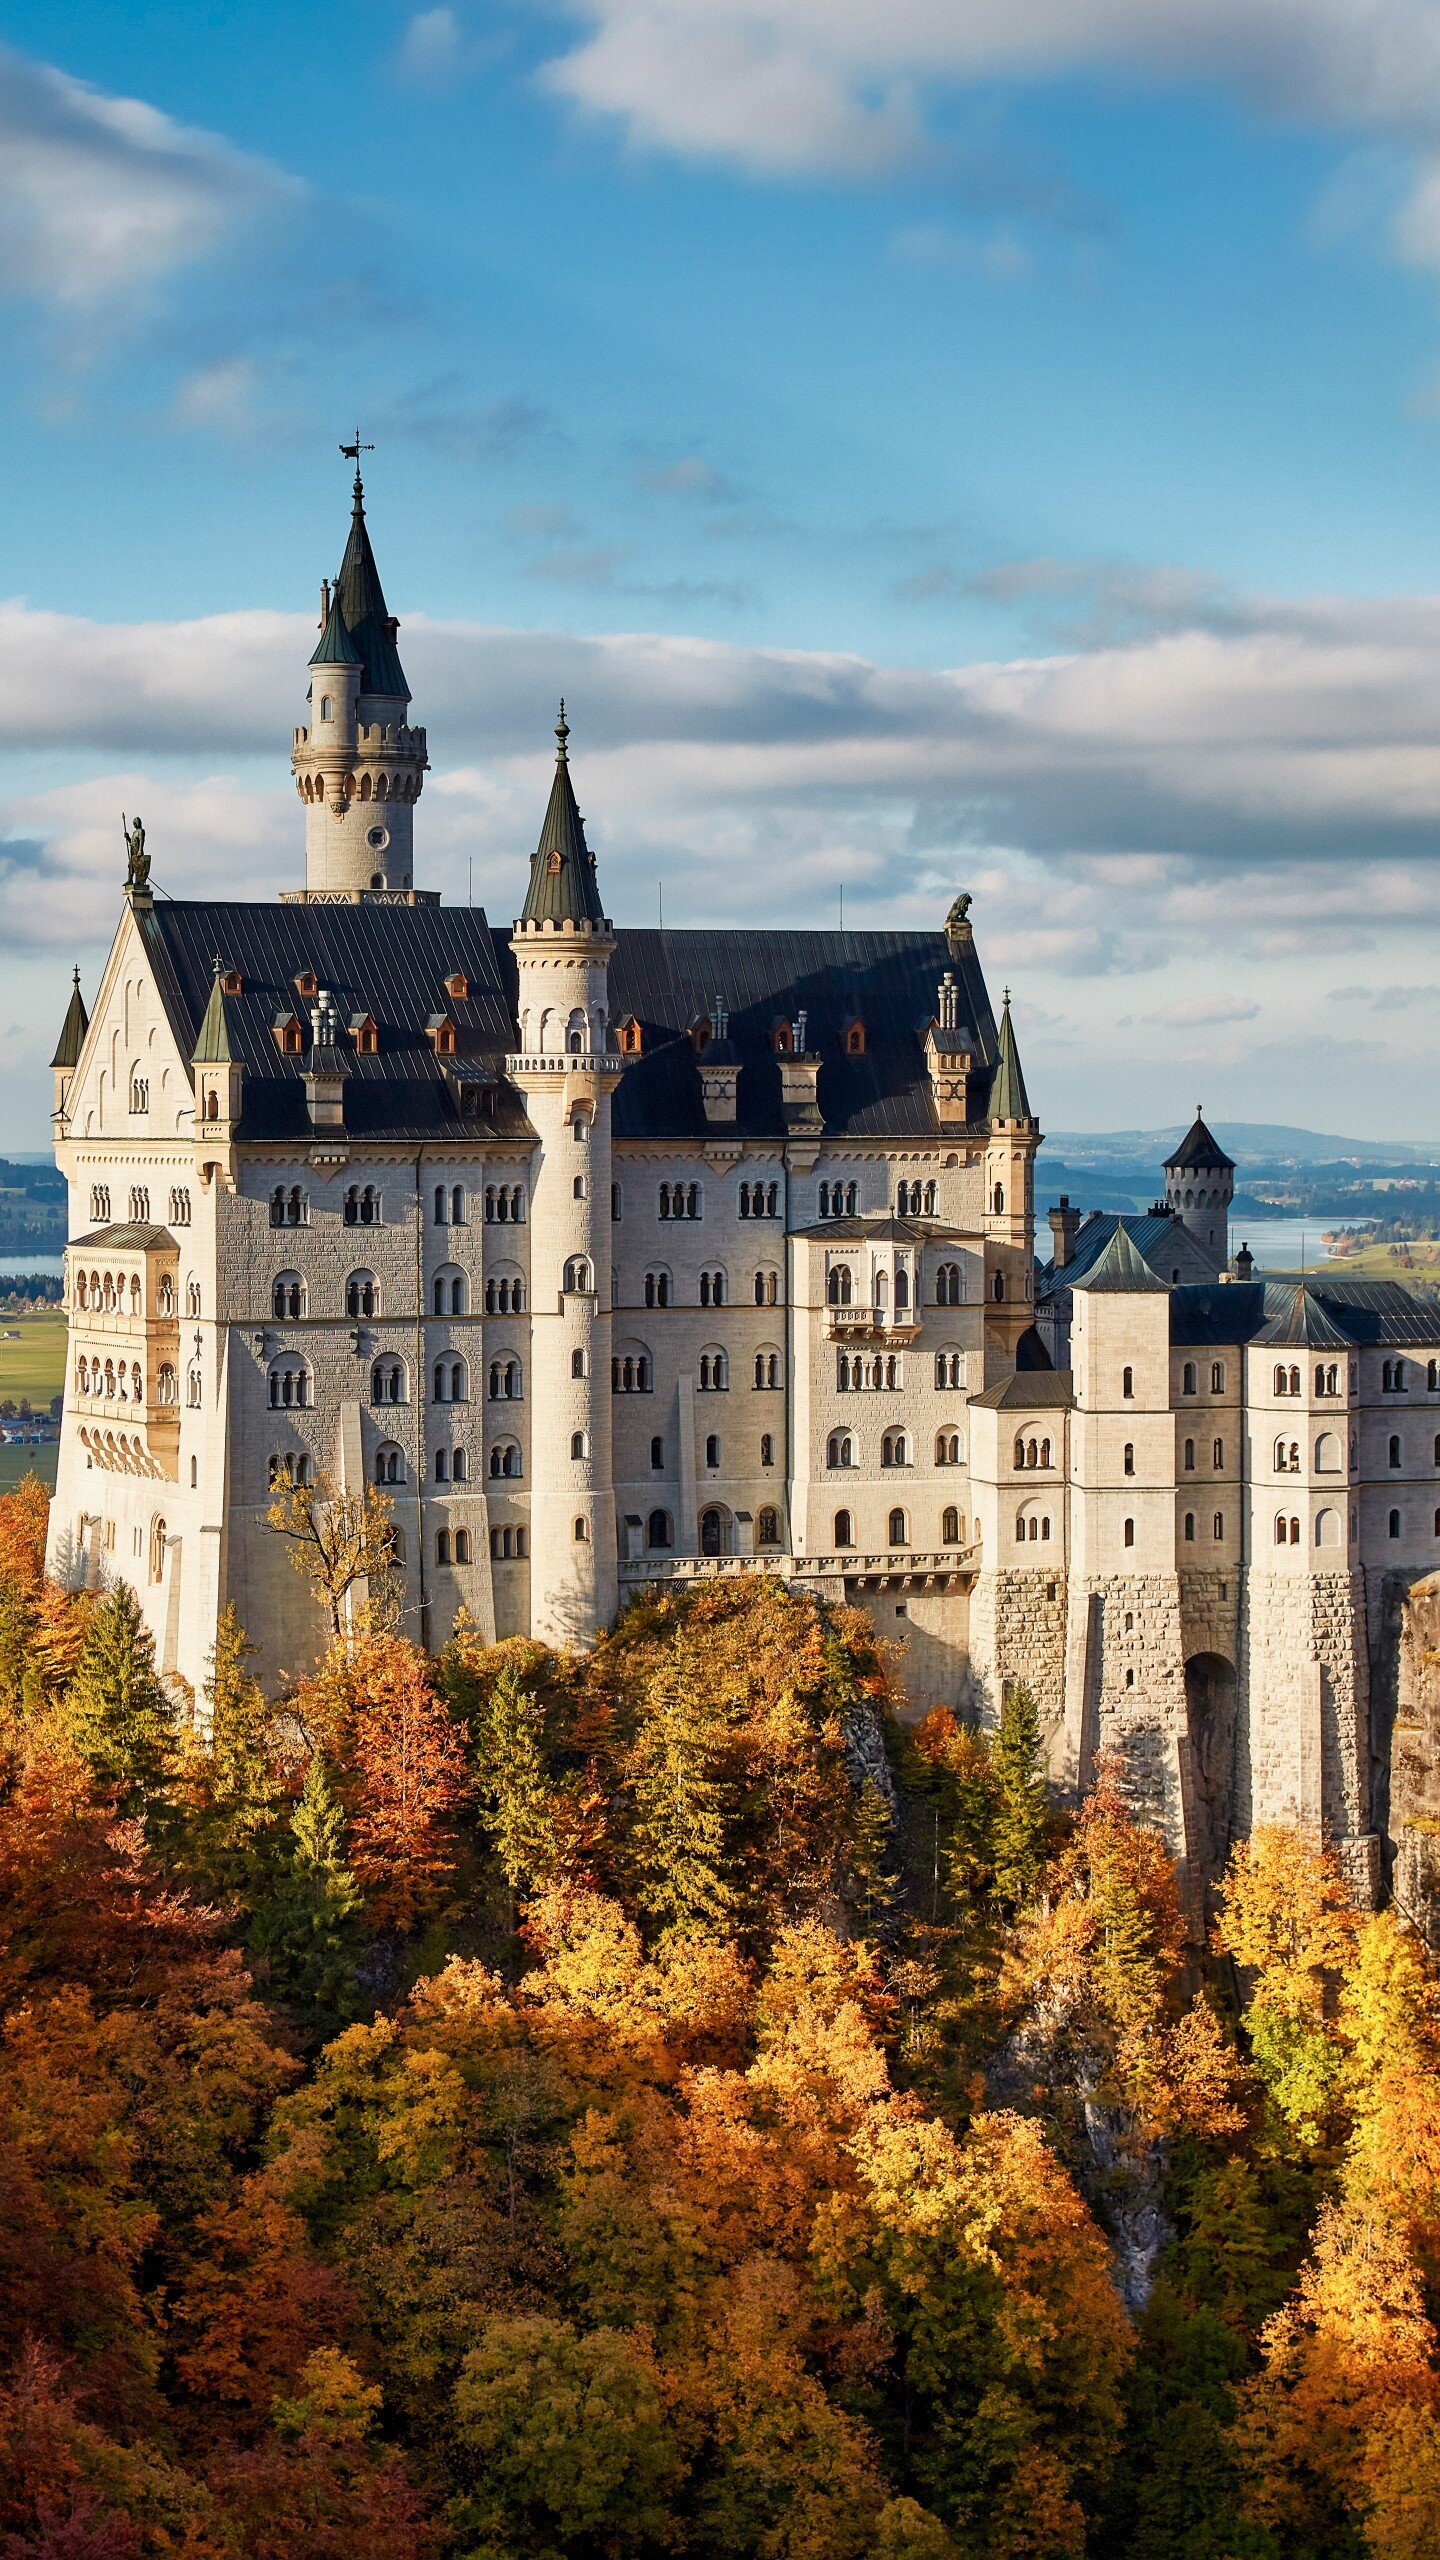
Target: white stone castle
{"points": [[622, 1257]]}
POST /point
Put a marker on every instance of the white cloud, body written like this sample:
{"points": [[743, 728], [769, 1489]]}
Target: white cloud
{"points": [[219, 395], [431, 49], [787, 87], [101, 196]]}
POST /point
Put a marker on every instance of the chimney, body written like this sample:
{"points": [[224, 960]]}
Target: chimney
{"points": [[1064, 1227], [1245, 1263]]}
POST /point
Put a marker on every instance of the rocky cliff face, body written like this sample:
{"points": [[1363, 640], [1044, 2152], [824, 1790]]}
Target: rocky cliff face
{"points": [[1415, 1762]]}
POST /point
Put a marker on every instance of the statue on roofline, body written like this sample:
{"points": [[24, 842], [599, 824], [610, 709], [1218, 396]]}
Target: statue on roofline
{"points": [[137, 872]]}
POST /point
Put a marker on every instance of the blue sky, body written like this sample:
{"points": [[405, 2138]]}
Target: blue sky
{"points": [[952, 445]]}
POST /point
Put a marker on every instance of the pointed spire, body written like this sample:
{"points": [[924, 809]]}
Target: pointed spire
{"points": [[366, 616], [72, 1029], [217, 1045], [1199, 1150], [1008, 1097], [563, 887], [335, 648], [1122, 1268]]}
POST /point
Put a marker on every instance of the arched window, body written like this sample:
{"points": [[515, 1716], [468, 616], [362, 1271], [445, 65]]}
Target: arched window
{"points": [[767, 1448], [998, 1200], [895, 1450], [1127, 1383], [1217, 1526], [1330, 1457], [504, 1294], [287, 1296], [1281, 1531], [947, 1449], [949, 1368], [950, 1526], [838, 1288], [165, 1392], [462, 1546], [1187, 1379], [442, 1205], [714, 1371], [1394, 1530], [997, 1289], [387, 1381], [712, 1449], [1189, 1455], [1327, 1528], [507, 1379], [881, 1290], [442, 1466], [1395, 1449], [1189, 1527], [582, 1530], [362, 1294], [389, 1465], [657, 1288], [767, 1369], [1217, 1377], [844, 1535], [192, 1297], [1128, 1460], [158, 1540], [1282, 1380], [361, 1206], [840, 1450], [505, 1459], [134, 1293], [659, 1535], [712, 1288], [767, 1532], [579, 1444], [442, 1546], [451, 1381], [767, 1286], [577, 1280], [899, 1529], [902, 1287], [192, 1387], [166, 1295], [1129, 1533], [289, 1382]]}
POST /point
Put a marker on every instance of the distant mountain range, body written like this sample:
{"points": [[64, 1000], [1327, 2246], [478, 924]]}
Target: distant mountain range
{"points": [[1251, 1142]]}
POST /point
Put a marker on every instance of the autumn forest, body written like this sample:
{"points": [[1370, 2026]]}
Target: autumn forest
{"points": [[506, 2106]]}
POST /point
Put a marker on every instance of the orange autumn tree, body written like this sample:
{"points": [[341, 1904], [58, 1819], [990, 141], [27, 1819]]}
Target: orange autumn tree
{"points": [[373, 1710]]}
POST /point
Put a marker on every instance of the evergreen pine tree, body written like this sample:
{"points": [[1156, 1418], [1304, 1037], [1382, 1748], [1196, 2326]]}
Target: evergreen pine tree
{"points": [[235, 1825], [1018, 1834], [514, 1784], [680, 1808], [870, 1856], [305, 1929], [123, 1723]]}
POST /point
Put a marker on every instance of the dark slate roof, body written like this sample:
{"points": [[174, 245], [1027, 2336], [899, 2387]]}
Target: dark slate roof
{"points": [[126, 1240], [1121, 1267], [1362, 1312], [72, 1029], [388, 962], [1149, 1235], [367, 618], [1198, 1152], [1302, 1317], [1008, 1097], [884, 1228], [563, 887], [890, 980], [1028, 1391]]}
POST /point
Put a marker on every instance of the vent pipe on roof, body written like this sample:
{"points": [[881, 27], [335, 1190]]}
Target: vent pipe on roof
{"points": [[719, 1019], [799, 1028]]}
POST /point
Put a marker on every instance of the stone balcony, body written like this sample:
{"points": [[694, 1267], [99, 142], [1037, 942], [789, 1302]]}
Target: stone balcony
{"points": [[906, 1568], [872, 1324]]}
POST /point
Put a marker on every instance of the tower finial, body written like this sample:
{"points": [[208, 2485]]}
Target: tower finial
{"points": [[562, 733], [352, 453]]}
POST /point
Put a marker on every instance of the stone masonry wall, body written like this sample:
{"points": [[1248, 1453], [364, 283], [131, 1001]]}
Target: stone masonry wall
{"points": [[1017, 1634]]}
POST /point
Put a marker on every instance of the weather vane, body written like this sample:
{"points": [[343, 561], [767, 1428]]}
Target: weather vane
{"points": [[352, 452]]}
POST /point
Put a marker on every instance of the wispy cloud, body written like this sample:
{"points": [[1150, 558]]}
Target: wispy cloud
{"points": [[1193, 1013], [101, 196]]}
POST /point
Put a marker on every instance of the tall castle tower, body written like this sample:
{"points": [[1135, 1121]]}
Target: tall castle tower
{"points": [[359, 767], [563, 944], [1010, 1150], [1199, 1187]]}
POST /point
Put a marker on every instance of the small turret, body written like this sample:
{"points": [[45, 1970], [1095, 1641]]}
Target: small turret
{"points": [[1199, 1187], [219, 1067], [563, 887], [68, 1048]]}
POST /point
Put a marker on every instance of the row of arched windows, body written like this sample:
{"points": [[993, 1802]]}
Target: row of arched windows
{"points": [[839, 1199], [1034, 1453], [119, 1384], [895, 1450], [952, 1528], [915, 1200], [1189, 1378], [118, 1293], [875, 1369], [759, 1199]]}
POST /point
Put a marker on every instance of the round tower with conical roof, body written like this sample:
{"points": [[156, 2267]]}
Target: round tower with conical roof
{"points": [[563, 944], [1199, 1187], [359, 765]]}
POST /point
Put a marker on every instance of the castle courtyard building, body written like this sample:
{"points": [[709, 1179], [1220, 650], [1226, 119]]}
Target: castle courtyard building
{"points": [[617, 1256]]}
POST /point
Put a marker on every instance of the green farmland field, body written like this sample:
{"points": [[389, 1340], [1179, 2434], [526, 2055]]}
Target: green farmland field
{"points": [[32, 1359]]}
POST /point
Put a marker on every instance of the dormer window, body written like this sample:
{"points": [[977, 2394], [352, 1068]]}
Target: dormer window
{"points": [[307, 984], [853, 1035], [700, 1032], [782, 1039], [364, 1033], [440, 1032], [288, 1034], [628, 1032], [457, 985], [231, 982]]}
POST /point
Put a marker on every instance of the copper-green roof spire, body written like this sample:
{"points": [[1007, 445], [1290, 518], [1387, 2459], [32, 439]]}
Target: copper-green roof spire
{"points": [[336, 648], [563, 887], [1008, 1097], [216, 1045], [72, 1029]]}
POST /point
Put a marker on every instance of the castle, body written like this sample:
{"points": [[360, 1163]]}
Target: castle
{"points": [[618, 1257]]}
